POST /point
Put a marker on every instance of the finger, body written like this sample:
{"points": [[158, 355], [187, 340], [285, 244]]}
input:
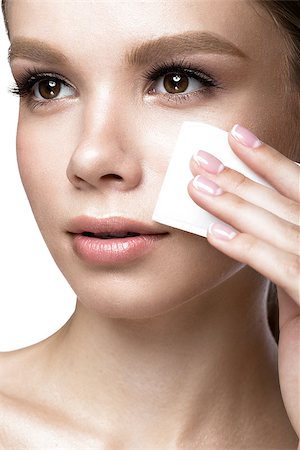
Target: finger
{"points": [[288, 309], [245, 216], [279, 171], [255, 193], [279, 266]]}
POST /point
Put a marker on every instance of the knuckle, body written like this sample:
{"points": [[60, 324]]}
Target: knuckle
{"points": [[236, 181]]}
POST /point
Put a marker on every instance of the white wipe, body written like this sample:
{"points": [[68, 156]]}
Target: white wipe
{"points": [[174, 206]]}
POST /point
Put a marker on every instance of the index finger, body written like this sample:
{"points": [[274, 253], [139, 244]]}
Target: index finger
{"points": [[281, 172]]}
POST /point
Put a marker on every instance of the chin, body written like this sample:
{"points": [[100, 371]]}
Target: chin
{"points": [[143, 295]]}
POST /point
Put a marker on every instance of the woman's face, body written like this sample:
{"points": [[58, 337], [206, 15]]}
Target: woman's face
{"points": [[99, 145]]}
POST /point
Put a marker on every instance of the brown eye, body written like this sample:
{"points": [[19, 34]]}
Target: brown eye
{"points": [[49, 89], [175, 83], [178, 82]]}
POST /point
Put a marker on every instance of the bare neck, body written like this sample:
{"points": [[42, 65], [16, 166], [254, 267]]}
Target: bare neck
{"points": [[206, 370]]}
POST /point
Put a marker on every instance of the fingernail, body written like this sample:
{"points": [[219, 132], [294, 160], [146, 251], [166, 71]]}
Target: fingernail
{"points": [[208, 162], [204, 185], [221, 231], [245, 137]]}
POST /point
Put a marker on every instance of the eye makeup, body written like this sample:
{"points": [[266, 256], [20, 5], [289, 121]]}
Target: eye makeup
{"points": [[179, 69], [26, 82], [178, 72]]}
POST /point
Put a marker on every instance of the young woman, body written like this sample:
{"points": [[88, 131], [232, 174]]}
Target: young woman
{"points": [[169, 346]]}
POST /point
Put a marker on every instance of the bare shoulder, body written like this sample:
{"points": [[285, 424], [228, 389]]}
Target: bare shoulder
{"points": [[15, 396], [13, 371], [23, 372], [18, 369], [27, 418]]}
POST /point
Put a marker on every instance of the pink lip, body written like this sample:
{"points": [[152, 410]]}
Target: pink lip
{"points": [[96, 250]]}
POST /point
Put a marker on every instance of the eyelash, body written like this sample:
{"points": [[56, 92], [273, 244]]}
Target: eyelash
{"points": [[25, 83], [183, 67], [23, 86]]}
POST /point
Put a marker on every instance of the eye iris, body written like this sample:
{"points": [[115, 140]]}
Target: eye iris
{"points": [[49, 88], [175, 83]]}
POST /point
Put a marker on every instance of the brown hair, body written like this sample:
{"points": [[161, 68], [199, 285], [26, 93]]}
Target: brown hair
{"points": [[3, 5], [286, 16]]}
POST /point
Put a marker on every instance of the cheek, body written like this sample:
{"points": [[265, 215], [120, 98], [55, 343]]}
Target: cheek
{"points": [[42, 167], [41, 160], [29, 161]]}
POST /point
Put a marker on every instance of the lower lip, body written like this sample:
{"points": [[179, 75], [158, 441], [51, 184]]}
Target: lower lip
{"points": [[112, 251]]}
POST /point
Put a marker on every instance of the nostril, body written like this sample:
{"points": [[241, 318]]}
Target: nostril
{"points": [[77, 179], [112, 176]]}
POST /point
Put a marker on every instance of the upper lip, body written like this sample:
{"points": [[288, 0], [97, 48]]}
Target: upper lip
{"points": [[111, 225]]}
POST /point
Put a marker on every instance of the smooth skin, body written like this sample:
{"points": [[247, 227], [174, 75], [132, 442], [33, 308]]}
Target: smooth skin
{"points": [[172, 351]]}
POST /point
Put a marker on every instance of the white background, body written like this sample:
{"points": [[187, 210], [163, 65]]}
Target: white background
{"points": [[35, 299]]}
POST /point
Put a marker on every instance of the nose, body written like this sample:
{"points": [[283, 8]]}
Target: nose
{"points": [[105, 158]]}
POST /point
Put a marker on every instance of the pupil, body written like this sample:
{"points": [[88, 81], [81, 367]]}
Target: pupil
{"points": [[175, 83], [49, 89]]}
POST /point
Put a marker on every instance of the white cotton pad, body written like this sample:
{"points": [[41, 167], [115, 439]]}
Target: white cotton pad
{"points": [[174, 206]]}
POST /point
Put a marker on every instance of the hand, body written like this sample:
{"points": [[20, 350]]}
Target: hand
{"points": [[266, 235]]}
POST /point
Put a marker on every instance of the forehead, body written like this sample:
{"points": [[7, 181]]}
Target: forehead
{"points": [[83, 25]]}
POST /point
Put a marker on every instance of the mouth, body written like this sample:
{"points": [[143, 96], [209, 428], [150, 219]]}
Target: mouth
{"points": [[113, 240], [120, 235]]}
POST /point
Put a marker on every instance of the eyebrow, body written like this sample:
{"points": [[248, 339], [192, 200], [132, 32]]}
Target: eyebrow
{"points": [[146, 52], [35, 50], [190, 42]]}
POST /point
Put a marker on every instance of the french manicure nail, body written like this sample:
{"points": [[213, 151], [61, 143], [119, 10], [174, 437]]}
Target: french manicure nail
{"points": [[222, 231], [204, 185], [245, 136], [208, 162]]}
